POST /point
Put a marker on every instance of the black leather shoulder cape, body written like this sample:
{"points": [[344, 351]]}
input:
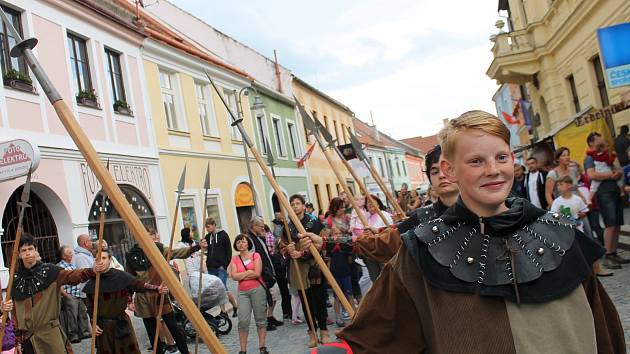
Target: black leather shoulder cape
{"points": [[28, 282], [539, 254], [112, 281]]}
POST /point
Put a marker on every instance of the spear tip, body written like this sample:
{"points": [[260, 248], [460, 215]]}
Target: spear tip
{"points": [[206, 183], [182, 181]]}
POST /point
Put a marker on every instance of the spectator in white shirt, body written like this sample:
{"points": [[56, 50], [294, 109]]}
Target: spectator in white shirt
{"points": [[535, 183]]}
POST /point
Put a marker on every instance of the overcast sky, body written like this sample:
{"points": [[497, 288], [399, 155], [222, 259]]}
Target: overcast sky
{"points": [[411, 62]]}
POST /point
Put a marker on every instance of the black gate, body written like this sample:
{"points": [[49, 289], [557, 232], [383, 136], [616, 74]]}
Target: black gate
{"points": [[37, 221]]}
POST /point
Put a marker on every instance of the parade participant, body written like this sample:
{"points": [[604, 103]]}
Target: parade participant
{"points": [[36, 298], [492, 274], [308, 270], [382, 246], [246, 268], [258, 238], [114, 263], [146, 304], [74, 314], [376, 225], [114, 330], [218, 258]]}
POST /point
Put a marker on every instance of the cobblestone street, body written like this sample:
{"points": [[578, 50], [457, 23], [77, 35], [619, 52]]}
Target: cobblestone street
{"points": [[291, 339]]}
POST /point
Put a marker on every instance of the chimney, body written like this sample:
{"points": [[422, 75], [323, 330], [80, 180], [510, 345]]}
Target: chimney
{"points": [[376, 133], [445, 121]]}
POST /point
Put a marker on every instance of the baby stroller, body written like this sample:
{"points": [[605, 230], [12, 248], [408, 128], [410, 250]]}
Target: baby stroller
{"points": [[213, 294]]}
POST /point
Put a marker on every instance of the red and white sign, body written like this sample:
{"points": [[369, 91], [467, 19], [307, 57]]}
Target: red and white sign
{"points": [[16, 158]]}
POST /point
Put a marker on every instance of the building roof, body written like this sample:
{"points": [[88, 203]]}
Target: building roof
{"points": [[330, 99], [369, 136], [424, 143]]}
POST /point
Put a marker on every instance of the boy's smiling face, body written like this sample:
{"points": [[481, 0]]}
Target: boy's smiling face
{"points": [[483, 167]]}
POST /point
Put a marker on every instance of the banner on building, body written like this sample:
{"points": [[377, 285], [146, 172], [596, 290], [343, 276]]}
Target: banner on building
{"points": [[615, 52], [574, 137], [307, 154], [347, 151]]}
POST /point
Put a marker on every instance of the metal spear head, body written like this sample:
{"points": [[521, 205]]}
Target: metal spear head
{"points": [[270, 160], [356, 145], [182, 182], [26, 191], [308, 121], [104, 195], [326, 134], [206, 182]]}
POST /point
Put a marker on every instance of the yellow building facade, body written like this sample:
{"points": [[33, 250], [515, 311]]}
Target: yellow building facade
{"points": [[192, 129], [551, 48], [337, 118]]}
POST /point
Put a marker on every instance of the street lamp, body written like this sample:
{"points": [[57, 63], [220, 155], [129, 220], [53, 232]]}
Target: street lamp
{"points": [[258, 108]]}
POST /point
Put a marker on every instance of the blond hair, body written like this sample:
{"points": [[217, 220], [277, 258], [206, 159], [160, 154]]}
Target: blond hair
{"points": [[471, 120]]}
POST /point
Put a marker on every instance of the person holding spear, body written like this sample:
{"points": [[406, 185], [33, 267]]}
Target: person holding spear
{"points": [[36, 298], [115, 334], [146, 304]]}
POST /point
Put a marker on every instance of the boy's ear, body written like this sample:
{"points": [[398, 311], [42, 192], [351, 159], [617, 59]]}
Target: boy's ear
{"points": [[448, 170]]}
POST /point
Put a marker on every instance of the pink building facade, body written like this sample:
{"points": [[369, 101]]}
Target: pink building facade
{"points": [[93, 57]]}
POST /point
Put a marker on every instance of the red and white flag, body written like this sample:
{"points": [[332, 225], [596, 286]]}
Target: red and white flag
{"points": [[509, 119], [307, 154]]}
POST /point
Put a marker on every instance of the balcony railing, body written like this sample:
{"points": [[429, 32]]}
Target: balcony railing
{"points": [[512, 43]]}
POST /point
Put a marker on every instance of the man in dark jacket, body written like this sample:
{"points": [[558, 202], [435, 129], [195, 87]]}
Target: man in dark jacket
{"points": [[622, 143], [219, 257], [257, 235], [535, 183]]}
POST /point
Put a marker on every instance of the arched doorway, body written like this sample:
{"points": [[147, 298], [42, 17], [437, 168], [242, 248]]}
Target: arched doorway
{"points": [[38, 221], [116, 232], [244, 202]]}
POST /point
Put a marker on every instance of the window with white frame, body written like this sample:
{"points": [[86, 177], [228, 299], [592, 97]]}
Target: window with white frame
{"points": [[296, 148], [277, 132], [114, 73], [189, 216], [169, 100], [230, 99], [213, 210], [206, 114], [262, 132]]}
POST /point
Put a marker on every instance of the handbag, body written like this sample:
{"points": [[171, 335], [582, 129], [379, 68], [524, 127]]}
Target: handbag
{"points": [[267, 291]]}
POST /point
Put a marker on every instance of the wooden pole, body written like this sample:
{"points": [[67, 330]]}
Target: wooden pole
{"points": [[97, 285], [23, 203], [24, 48], [285, 204], [206, 186], [169, 254], [362, 188]]}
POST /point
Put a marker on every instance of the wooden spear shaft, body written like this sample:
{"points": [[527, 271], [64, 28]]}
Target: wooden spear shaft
{"points": [[97, 283], [388, 195], [169, 254], [362, 188], [206, 186]]}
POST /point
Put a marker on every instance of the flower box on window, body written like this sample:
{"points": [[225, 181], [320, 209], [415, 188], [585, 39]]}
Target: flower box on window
{"points": [[18, 80], [122, 107], [87, 98]]}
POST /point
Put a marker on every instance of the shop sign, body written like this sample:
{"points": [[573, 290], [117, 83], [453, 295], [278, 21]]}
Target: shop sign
{"points": [[16, 158], [133, 175], [605, 113], [613, 44]]}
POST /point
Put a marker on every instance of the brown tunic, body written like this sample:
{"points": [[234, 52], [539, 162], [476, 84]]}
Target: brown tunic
{"points": [[403, 313], [147, 303], [38, 317]]}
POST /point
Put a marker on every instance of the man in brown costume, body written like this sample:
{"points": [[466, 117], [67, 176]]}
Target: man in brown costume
{"points": [[114, 329], [492, 274], [146, 304], [36, 295]]}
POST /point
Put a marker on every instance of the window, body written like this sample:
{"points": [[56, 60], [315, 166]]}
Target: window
{"points": [[601, 82], [336, 132], [7, 42], [328, 191], [326, 123], [114, 72], [262, 131], [277, 132], [167, 84], [79, 64], [404, 168], [230, 99], [318, 196], [206, 116], [294, 140], [398, 167], [213, 210], [574, 95], [343, 134], [381, 167], [338, 189], [189, 217]]}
